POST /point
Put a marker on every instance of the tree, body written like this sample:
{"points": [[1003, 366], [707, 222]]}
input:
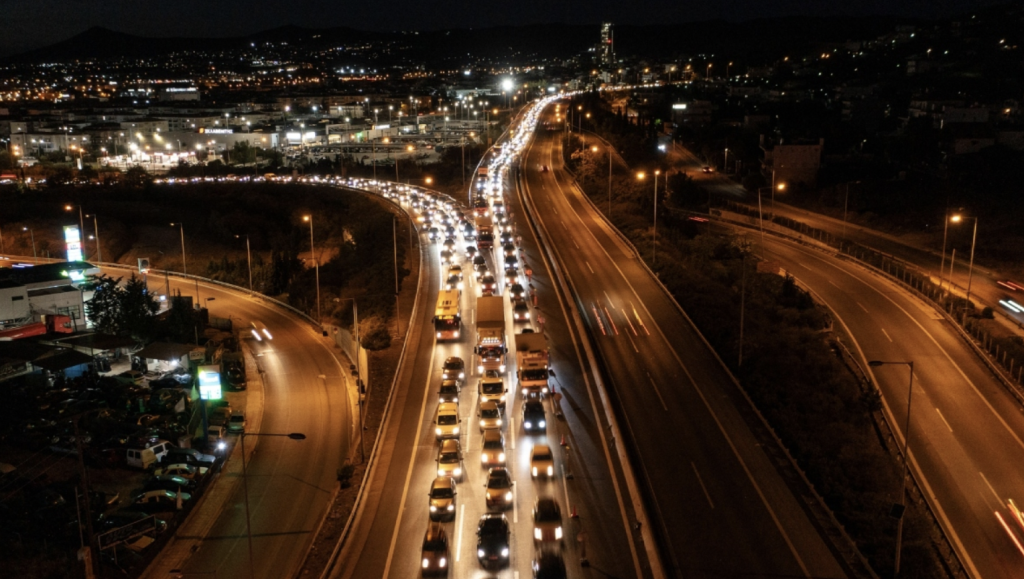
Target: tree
{"points": [[126, 310], [104, 309], [137, 177], [182, 320], [243, 153]]}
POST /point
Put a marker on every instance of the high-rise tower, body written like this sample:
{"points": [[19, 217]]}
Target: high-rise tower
{"points": [[607, 50]]}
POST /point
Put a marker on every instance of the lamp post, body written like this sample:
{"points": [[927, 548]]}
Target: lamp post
{"points": [[181, 227], [654, 252], [955, 218], [33, 234], [970, 268], [906, 461], [248, 254], [81, 225], [245, 485], [359, 373], [96, 228], [316, 262]]}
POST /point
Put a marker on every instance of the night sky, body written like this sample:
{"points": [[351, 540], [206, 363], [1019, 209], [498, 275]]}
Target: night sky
{"points": [[28, 24]]}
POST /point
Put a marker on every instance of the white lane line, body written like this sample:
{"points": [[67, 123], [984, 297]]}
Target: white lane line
{"points": [[944, 420], [408, 473], [609, 298], [639, 321], [656, 391], [458, 527], [704, 488], [632, 343], [515, 506], [989, 485], [588, 266], [628, 321], [511, 433], [834, 283], [886, 334], [574, 243], [565, 483], [860, 304]]}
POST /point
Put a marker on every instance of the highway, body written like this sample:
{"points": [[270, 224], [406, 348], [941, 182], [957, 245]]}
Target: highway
{"points": [[967, 432], [389, 527], [720, 504], [290, 482]]}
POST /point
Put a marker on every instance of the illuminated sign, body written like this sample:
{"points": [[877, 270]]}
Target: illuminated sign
{"points": [[209, 383], [73, 240], [217, 131], [381, 127], [679, 107]]}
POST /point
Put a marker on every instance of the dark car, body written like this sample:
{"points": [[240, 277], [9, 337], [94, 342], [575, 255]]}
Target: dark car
{"points": [[533, 416], [520, 310], [435, 554], [170, 482], [454, 367], [479, 264], [449, 391], [509, 249], [492, 541], [188, 456], [516, 290], [548, 565], [488, 285], [498, 488]]}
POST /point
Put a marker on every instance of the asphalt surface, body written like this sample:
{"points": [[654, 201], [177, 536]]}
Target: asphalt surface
{"points": [[721, 505], [388, 531], [289, 482], [967, 432]]}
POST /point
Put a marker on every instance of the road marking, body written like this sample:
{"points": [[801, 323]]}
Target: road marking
{"points": [[515, 506], [944, 419], [574, 243], [610, 302], [638, 320], [628, 321], [565, 481], [989, 485], [701, 481], [588, 266], [656, 391], [886, 334], [458, 540], [858, 303], [834, 283], [610, 320], [511, 433], [632, 343]]}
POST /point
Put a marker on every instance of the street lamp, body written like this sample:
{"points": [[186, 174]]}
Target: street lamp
{"points": [[899, 509], [359, 372], [316, 262], [245, 485], [654, 250], [96, 228], [181, 227], [248, 253]]}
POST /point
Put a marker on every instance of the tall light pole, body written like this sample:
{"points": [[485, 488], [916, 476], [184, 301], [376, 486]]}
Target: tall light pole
{"points": [[654, 246], [248, 253], [96, 228], [316, 262], [970, 268], [81, 225], [181, 227], [33, 234], [955, 218], [245, 485], [906, 461], [359, 373]]}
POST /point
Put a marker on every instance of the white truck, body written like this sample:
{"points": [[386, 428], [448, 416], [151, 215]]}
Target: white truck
{"points": [[490, 334], [532, 364]]}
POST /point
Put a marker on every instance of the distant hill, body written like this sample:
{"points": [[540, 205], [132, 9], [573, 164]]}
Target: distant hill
{"points": [[718, 37]]}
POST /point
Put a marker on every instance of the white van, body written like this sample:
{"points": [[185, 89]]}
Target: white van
{"points": [[144, 457]]}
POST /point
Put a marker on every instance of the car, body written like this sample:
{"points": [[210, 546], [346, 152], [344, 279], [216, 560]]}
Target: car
{"points": [[506, 237], [449, 230], [548, 565], [259, 331], [237, 422], [133, 376], [442, 498], [542, 461], [455, 269], [434, 554], [509, 249], [490, 416], [479, 265], [499, 488], [471, 252], [469, 235], [159, 501], [533, 416], [547, 521], [454, 367], [449, 244], [187, 471], [446, 256], [511, 277], [516, 290], [433, 234], [449, 458], [448, 392], [493, 451], [446, 421], [488, 285], [706, 169], [453, 282], [188, 456], [511, 262], [169, 482], [492, 541], [520, 310], [543, 168], [492, 389]]}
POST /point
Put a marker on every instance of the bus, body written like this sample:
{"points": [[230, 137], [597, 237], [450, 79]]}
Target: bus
{"points": [[447, 316]]}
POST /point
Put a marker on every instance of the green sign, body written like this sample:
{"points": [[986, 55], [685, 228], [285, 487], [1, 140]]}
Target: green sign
{"points": [[209, 383]]}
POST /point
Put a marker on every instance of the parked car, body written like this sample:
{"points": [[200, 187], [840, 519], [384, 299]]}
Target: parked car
{"points": [[170, 482], [159, 501], [237, 422]]}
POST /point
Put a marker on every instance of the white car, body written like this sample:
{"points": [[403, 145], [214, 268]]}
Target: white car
{"points": [[260, 331]]}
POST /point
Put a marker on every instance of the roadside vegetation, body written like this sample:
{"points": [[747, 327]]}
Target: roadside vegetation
{"points": [[790, 366]]}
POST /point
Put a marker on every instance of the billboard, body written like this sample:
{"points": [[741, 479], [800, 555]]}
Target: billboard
{"points": [[209, 383], [73, 241]]}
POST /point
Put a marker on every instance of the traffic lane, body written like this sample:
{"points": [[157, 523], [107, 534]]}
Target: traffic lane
{"points": [[974, 468], [366, 551], [653, 299], [677, 481], [307, 474]]}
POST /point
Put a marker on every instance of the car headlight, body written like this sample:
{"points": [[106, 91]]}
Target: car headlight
{"points": [[455, 399], [544, 390], [462, 375], [480, 368], [481, 424], [541, 424], [501, 368], [440, 472], [455, 430], [451, 508], [558, 533], [508, 496], [504, 551], [499, 422], [536, 533], [457, 471], [483, 457], [551, 471], [527, 424], [480, 553], [426, 562], [437, 431], [501, 398], [439, 334], [433, 509], [501, 457], [442, 563], [534, 471]]}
